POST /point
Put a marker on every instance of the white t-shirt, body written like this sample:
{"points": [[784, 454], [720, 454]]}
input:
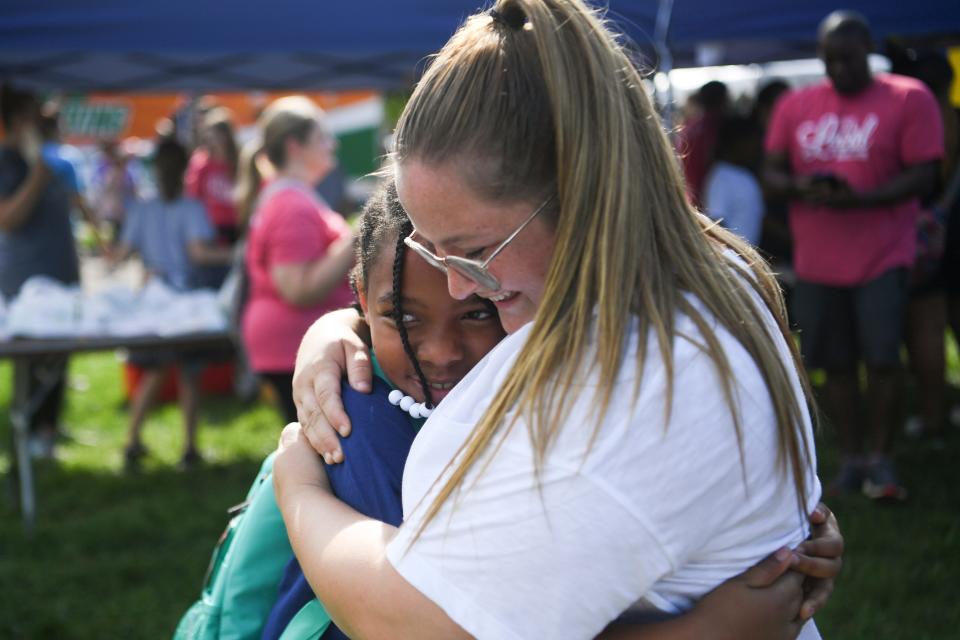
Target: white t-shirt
{"points": [[733, 196], [652, 517]]}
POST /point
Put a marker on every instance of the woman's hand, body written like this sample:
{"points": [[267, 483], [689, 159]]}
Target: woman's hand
{"points": [[820, 559], [330, 347]]}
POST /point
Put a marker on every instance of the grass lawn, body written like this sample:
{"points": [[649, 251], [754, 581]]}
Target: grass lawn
{"points": [[117, 556]]}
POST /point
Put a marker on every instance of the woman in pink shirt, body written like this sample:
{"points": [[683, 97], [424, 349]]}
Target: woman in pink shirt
{"points": [[298, 250]]}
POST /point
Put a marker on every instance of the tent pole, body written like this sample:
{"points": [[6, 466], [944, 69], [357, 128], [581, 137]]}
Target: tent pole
{"points": [[665, 66]]}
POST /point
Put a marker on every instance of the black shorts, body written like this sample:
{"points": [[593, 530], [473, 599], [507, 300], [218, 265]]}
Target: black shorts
{"points": [[841, 326]]}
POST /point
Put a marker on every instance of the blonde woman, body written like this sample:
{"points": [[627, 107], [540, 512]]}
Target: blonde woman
{"points": [[298, 250], [641, 436]]}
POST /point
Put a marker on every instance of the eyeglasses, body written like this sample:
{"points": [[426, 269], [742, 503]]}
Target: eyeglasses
{"points": [[472, 269]]}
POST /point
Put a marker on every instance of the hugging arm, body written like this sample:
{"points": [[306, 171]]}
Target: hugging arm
{"points": [[343, 555], [335, 344]]}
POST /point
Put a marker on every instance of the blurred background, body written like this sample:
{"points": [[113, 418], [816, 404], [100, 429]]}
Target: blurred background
{"points": [[120, 541]]}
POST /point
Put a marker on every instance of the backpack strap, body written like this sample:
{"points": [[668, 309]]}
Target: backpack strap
{"points": [[310, 623]]}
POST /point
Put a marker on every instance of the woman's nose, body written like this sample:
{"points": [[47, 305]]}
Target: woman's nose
{"points": [[459, 286]]}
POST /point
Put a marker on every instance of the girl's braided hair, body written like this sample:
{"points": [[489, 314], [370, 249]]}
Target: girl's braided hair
{"points": [[384, 218]]}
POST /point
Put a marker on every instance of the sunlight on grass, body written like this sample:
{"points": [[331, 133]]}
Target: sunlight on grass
{"points": [[122, 556], [114, 555]]}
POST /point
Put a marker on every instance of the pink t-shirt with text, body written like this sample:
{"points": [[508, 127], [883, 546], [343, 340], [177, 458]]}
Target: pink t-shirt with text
{"points": [[867, 140], [290, 226]]}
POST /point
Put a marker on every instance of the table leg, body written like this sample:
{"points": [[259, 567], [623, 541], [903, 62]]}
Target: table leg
{"points": [[20, 417]]}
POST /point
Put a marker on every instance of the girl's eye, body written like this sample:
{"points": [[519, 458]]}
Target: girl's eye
{"points": [[406, 318], [475, 254], [478, 314]]}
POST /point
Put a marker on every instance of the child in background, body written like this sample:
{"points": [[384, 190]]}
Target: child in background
{"points": [[732, 193], [210, 178], [172, 236]]}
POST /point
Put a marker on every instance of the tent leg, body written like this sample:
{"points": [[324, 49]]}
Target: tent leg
{"points": [[665, 62]]}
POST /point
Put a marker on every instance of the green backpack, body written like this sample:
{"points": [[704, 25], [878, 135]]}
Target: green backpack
{"points": [[240, 587]]}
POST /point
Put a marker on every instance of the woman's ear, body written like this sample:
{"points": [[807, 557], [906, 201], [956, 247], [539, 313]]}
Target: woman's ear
{"points": [[292, 148]]}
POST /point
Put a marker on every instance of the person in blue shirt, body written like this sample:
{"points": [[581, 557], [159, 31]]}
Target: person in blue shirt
{"points": [[63, 170]]}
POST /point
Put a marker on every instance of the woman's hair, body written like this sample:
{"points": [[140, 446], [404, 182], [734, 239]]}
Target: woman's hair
{"points": [[384, 221], [219, 122], [249, 182], [537, 98], [170, 161], [289, 118]]}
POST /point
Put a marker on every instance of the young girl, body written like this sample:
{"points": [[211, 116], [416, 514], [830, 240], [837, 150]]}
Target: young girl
{"points": [[423, 343]]}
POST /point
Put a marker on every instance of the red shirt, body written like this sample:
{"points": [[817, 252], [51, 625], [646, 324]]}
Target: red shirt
{"points": [[290, 226], [866, 139], [696, 144], [208, 180]]}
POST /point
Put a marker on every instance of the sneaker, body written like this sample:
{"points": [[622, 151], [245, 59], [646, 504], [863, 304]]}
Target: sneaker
{"points": [[190, 460], [881, 483], [132, 457], [849, 478]]}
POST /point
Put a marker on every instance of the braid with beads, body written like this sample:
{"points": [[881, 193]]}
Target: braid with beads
{"points": [[406, 229]]}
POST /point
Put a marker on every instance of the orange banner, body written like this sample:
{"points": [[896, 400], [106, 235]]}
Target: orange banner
{"points": [[116, 116]]}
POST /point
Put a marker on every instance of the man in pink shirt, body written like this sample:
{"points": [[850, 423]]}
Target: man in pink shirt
{"points": [[854, 154]]}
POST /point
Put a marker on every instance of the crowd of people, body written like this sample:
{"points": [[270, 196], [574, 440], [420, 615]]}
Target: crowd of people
{"points": [[564, 403], [188, 226], [850, 187]]}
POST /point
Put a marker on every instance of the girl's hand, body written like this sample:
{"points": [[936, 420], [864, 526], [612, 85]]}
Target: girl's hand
{"points": [[760, 604], [820, 559], [330, 348]]}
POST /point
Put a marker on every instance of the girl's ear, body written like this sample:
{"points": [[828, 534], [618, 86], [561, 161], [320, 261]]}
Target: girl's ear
{"points": [[362, 298]]}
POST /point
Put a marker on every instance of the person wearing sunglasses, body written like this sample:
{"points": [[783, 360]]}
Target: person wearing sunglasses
{"points": [[475, 270], [640, 436]]}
